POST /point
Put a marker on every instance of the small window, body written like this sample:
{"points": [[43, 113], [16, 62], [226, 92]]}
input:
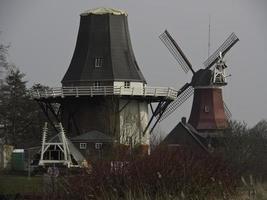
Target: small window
{"points": [[99, 62], [96, 84], [129, 140], [206, 109], [83, 145], [127, 84], [98, 146]]}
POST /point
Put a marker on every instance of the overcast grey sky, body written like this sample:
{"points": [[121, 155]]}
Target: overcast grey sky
{"points": [[42, 34]]}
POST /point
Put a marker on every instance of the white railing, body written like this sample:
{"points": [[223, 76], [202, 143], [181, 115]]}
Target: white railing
{"points": [[104, 91]]}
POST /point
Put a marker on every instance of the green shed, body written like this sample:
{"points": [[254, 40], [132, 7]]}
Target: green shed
{"points": [[18, 159]]}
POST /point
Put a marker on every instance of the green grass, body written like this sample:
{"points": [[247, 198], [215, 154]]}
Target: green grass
{"points": [[12, 184]]}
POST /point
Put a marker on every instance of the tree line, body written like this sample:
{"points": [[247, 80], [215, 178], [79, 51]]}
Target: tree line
{"points": [[245, 149]]}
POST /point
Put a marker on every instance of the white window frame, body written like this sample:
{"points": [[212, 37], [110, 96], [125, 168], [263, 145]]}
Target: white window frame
{"points": [[99, 61], [98, 145], [127, 84], [83, 145], [97, 84]]}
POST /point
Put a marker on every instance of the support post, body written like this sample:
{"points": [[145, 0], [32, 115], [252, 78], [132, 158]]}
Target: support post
{"points": [[47, 116]]}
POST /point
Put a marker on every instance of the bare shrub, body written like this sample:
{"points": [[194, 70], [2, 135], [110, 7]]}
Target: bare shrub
{"points": [[180, 173]]}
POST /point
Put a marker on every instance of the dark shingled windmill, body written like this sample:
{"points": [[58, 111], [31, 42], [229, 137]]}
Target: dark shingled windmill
{"points": [[103, 89], [209, 113]]}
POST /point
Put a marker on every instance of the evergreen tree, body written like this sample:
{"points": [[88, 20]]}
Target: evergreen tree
{"points": [[21, 117], [14, 101], [3, 61], [3, 67]]}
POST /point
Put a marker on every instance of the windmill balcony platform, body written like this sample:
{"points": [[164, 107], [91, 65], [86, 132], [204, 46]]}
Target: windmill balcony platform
{"points": [[155, 93]]}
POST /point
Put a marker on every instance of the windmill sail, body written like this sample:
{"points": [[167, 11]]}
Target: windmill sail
{"points": [[176, 51], [227, 111], [185, 92], [226, 46]]}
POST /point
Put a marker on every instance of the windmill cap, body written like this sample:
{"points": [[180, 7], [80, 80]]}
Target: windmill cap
{"points": [[103, 11]]}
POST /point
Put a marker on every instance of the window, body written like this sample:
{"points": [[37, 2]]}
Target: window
{"points": [[99, 62], [98, 146], [127, 84], [206, 109], [83, 145], [96, 84]]}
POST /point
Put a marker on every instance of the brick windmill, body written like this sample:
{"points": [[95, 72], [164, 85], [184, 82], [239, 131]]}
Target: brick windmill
{"points": [[209, 114], [104, 89]]}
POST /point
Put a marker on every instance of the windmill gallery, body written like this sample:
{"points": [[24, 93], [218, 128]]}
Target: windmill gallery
{"points": [[104, 100]]}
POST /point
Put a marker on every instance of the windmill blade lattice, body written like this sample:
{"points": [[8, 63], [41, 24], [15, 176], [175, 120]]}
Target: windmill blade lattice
{"points": [[227, 111], [176, 51], [226, 46], [181, 98]]}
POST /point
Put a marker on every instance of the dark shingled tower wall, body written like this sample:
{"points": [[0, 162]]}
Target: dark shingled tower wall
{"points": [[103, 36]]}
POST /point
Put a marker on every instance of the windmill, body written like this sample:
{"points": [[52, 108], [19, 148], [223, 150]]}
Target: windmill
{"points": [[209, 113], [104, 89]]}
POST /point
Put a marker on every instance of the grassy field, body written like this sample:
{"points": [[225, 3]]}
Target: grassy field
{"points": [[12, 184]]}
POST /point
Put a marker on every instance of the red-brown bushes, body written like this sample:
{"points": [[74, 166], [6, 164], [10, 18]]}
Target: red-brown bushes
{"points": [[176, 173]]}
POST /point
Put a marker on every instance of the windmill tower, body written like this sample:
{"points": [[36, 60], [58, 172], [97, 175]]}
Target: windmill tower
{"points": [[209, 114], [104, 88]]}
